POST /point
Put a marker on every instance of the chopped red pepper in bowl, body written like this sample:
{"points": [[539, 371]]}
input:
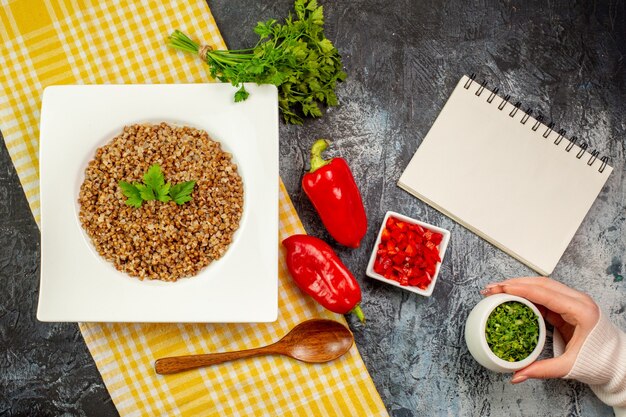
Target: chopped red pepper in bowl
{"points": [[408, 253]]}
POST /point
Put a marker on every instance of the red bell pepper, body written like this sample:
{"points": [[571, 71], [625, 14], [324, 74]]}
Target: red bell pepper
{"points": [[318, 271], [331, 188]]}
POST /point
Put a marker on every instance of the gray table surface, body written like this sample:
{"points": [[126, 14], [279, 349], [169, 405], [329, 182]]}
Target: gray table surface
{"points": [[403, 58]]}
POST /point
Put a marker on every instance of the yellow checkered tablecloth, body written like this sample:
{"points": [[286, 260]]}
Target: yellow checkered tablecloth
{"points": [[112, 41]]}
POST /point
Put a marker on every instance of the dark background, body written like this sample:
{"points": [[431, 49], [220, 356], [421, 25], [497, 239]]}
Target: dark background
{"points": [[403, 58]]}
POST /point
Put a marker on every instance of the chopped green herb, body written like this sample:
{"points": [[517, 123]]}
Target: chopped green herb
{"points": [[295, 56], [154, 187], [512, 331]]}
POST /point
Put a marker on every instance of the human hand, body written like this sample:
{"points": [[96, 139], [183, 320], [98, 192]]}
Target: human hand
{"points": [[573, 313]]}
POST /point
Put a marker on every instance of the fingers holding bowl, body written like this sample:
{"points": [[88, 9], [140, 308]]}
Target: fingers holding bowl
{"points": [[572, 306], [545, 282], [548, 297], [548, 368]]}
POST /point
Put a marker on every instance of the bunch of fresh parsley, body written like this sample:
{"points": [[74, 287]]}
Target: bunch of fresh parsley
{"points": [[512, 331], [294, 56], [154, 187]]}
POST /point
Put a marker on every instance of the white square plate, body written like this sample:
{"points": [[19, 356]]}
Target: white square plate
{"points": [[78, 285]]}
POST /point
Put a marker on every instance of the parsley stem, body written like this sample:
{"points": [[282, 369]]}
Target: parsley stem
{"points": [[221, 59], [179, 40], [232, 51]]}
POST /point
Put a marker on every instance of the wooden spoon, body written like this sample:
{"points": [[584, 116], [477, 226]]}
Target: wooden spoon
{"points": [[312, 341]]}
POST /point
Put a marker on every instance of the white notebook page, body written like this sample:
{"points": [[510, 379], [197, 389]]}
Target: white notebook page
{"points": [[502, 180]]}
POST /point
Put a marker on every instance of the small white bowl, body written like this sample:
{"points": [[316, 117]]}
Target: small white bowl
{"points": [[441, 247], [477, 340]]}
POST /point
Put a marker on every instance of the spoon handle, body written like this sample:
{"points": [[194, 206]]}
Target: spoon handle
{"points": [[176, 364]]}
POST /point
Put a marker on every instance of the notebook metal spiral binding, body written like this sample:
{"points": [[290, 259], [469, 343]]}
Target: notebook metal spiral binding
{"points": [[538, 122]]}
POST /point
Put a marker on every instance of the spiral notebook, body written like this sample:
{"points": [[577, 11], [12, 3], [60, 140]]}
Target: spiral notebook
{"points": [[505, 175]]}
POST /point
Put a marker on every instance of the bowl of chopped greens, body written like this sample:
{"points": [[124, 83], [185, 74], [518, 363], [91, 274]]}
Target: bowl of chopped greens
{"points": [[505, 333]]}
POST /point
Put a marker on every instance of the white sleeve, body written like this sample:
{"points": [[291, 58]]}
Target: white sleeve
{"points": [[601, 363]]}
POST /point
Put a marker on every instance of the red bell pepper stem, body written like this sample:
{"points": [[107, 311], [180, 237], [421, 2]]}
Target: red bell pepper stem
{"points": [[359, 313], [317, 161], [331, 188]]}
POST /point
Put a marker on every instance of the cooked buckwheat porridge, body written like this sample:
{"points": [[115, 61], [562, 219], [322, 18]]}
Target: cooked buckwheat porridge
{"points": [[164, 241]]}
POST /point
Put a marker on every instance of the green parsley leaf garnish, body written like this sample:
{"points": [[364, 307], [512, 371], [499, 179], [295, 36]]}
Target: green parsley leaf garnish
{"points": [[512, 331], [181, 192], [145, 192], [154, 187], [132, 192], [241, 94], [155, 181], [295, 56]]}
